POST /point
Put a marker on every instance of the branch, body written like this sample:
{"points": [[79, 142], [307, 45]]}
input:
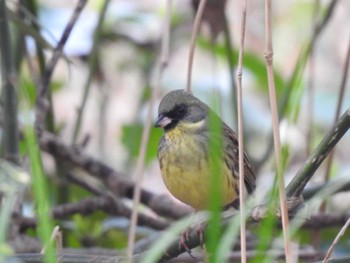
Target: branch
{"points": [[9, 89], [296, 186], [320, 221], [87, 206], [309, 192], [42, 103], [87, 255], [92, 62], [339, 235], [116, 182]]}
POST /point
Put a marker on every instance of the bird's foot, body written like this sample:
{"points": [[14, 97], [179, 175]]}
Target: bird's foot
{"points": [[184, 240], [200, 233]]}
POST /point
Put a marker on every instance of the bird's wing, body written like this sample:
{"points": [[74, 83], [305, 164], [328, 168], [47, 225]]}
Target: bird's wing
{"points": [[231, 156]]}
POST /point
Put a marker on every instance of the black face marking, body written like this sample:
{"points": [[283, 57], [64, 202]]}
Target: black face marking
{"points": [[175, 114], [178, 112]]}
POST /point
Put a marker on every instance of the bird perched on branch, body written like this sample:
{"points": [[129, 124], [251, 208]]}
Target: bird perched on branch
{"points": [[184, 152]]}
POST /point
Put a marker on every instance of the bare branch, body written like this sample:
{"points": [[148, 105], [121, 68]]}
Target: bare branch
{"points": [[42, 103], [108, 204], [9, 89], [115, 181]]}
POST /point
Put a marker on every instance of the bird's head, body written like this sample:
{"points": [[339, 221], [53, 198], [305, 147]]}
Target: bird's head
{"points": [[180, 107]]}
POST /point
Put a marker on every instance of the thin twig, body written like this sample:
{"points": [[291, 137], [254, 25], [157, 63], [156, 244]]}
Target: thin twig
{"points": [[54, 234], [9, 84], [195, 30], [92, 61], [316, 236], [311, 191], [230, 60], [276, 134], [138, 173], [42, 100], [311, 88], [240, 136], [339, 106], [331, 248]]}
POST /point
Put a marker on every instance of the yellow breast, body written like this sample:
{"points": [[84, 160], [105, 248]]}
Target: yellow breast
{"points": [[186, 171]]}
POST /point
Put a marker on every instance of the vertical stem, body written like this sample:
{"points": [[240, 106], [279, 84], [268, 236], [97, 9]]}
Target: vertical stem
{"points": [[337, 112], [195, 30], [240, 136], [93, 61], [9, 96], [311, 88], [138, 173], [230, 59], [276, 134]]}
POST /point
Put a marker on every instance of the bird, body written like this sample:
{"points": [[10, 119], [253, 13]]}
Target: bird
{"points": [[184, 153]]}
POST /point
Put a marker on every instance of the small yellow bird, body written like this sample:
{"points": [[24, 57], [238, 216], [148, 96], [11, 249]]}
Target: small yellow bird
{"points": [[184, 152]]}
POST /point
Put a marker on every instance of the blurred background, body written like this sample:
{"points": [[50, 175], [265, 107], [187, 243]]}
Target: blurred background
{"points": [[115, 65], [126, 56]]}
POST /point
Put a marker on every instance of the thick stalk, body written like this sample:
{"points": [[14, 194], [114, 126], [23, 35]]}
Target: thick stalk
{"points": [[9, 95]]}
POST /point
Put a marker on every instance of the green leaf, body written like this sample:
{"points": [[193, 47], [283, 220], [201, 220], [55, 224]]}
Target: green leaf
{"points": [[254, 63], [131, 139], [168, 236], [41, 193]]}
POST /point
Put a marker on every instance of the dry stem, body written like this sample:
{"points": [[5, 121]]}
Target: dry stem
{"points": [[138, 173], [331, 248], [276, 134], [240, 136], [195, 30]]}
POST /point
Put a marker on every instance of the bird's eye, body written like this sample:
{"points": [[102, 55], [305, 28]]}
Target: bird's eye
{"points": [[180, 109]]}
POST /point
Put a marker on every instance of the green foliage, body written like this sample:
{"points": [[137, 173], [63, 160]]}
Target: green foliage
{"points": [[28, 90], [41, 193], [7, 203], [90, 226], [166, 238], [290, 103], [266, 228], [216, 166], [227, 240], [12, 181], [114, 238], [254, 63], [131, 139]]}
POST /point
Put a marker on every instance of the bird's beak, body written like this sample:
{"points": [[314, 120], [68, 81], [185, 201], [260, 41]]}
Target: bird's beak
{"points": [[162, 121]]}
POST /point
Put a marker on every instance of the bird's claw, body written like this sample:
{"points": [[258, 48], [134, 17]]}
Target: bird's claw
{"points": [[200, 233], [183, 243]]}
